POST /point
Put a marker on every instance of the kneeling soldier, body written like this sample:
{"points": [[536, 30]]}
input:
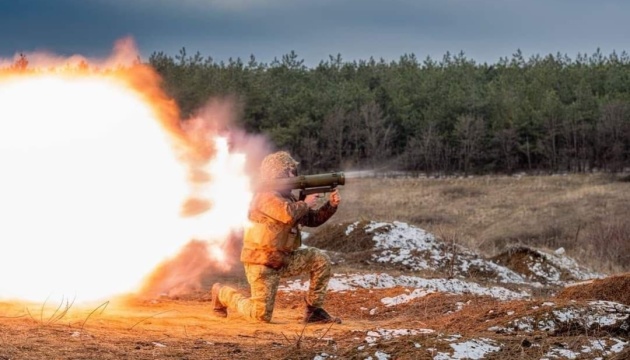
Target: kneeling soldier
{"points": [[272, 249]]}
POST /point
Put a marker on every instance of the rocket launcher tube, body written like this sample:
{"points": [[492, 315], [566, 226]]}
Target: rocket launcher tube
{"points": [[307, 184]]}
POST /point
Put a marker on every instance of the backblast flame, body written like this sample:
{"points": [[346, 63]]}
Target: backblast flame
{"points": [[94, 175]]}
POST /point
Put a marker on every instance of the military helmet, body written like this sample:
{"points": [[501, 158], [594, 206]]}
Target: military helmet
{"points": [[277, 165]]}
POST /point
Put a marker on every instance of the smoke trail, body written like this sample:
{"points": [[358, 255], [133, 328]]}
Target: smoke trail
{"points": [[359, 174]]}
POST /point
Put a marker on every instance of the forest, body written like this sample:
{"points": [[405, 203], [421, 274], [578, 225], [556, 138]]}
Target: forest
{"points": [[543, 114]]}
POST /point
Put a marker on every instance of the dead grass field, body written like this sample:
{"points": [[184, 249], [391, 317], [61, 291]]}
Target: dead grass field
{"points": [[585, 214]]}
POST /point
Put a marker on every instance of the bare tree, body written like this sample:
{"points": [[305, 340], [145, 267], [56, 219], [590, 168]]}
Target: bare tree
{"points": [[507, 140], [576, 133], [310, 153], [377, 133], [550, 142], [332, 136], [430, 144], [609, 137], [429, 148], [354, 144], [469, 131]]}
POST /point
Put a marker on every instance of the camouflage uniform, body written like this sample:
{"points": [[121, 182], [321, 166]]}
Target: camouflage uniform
{"points": [[272, 246]]}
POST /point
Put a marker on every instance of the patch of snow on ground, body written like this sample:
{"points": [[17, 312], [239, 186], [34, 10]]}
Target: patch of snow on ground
{"points": [[323, 356], [401, 243], [570, 265], [404, 298], [379, 356], [460, 306], [402, 235], [603, 347], [472, 349], [556, 268], [351, 227], [602, 313], [618, 346], [598, 345], [503, 274], [542, 270], [597, 313], [565, 353], [374, 336], [343, 282]]}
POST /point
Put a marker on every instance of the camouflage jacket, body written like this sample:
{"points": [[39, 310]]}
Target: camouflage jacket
{"points": [[275, 229]]}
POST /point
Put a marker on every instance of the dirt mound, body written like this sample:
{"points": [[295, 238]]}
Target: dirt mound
{"points": [[404, 247], [542, 267], [613, 288], [341, 238]]}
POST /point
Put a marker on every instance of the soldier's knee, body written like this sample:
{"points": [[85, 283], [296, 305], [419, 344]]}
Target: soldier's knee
{"points": [[321, 257]]}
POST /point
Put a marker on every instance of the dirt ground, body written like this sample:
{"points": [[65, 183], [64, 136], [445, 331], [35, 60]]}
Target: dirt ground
{"points": [[183, 328]]}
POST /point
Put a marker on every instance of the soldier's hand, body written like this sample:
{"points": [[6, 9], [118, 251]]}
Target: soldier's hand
{"points": [[334, 199], [311, 200]]}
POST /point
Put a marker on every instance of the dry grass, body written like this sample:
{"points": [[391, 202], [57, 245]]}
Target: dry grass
{"points": [[585, 214], [613, 288]]}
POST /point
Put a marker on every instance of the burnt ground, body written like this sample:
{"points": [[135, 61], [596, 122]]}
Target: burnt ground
{"points": [[561, 316]]}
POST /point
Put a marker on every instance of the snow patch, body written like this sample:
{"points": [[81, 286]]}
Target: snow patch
{"points": [[404, 298], [404, 245], [605, 347], [345, 282], [595, 315], [374, 336], [471, 349], [414, 248]]}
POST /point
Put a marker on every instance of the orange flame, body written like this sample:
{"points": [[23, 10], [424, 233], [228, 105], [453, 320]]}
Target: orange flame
{"points": [[95, 169]]}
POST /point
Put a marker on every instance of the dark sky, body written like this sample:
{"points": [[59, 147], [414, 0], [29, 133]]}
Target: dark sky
{"points": [[357, 29]]}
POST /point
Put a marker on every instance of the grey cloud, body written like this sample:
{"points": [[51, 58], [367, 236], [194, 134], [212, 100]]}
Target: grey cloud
{"points": [[358, 29]]}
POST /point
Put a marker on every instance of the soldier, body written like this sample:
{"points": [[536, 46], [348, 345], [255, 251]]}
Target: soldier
{"points": [[272, 249]]}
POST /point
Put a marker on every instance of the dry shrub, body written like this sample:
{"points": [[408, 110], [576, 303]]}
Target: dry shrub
{"points": [[613, 288], [608, 244]]}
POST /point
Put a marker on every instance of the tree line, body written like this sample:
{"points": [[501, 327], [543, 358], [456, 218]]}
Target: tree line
{"points": [[545, 113], [542, 114]]}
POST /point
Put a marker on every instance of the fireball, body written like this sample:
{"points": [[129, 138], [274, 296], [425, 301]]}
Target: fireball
{"points": [[93, 180]]}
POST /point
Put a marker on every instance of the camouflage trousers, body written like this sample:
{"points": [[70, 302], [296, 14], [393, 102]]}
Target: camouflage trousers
{"points": [[264, 281]]}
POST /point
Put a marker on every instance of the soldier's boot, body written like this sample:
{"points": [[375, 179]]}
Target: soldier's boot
{"points": [[218, 309], [318, 315]]}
